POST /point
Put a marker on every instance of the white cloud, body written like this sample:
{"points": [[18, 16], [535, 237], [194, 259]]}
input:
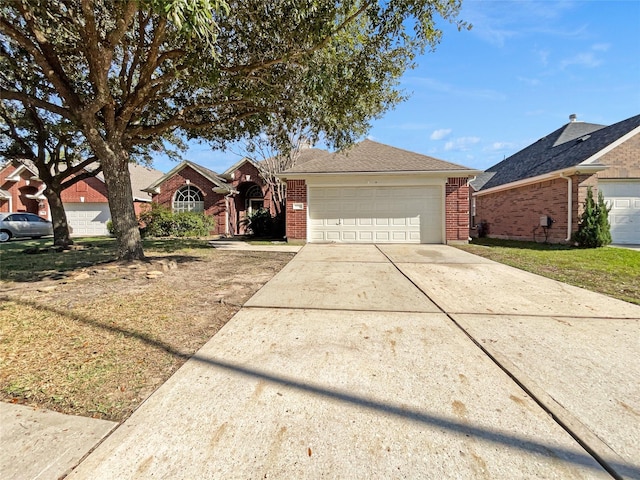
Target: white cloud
{"points": [[587, 59], [442, 87], [601, 47], [543, 56], [499, 146], [371, 137], [499, 22], [532, 82], [440, 133], [461, 144]]}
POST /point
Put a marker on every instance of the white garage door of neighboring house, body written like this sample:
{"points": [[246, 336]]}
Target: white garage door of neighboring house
{"points": [[87, 219], [376, 214], [624, 198]]}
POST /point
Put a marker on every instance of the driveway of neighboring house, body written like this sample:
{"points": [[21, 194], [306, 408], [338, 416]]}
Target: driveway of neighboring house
{"points": [[397, 362]]}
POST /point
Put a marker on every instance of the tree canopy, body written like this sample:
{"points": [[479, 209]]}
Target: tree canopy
{"points": [[142, 76]]}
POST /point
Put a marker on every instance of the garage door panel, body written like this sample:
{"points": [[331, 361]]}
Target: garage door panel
{"points": [[623, 196], [88, 218], [376, 214]]}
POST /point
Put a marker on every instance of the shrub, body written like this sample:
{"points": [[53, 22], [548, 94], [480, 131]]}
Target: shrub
{"points": [[110, 228], [594, 229], [159, 221], [260, 223]]}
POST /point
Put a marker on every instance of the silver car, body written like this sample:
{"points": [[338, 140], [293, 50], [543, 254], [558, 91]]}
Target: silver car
{"points": [[16, 225]]}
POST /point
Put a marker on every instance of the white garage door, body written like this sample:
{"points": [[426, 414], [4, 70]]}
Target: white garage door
{"points": [[624, 198], [87, 219], [375, 214]]}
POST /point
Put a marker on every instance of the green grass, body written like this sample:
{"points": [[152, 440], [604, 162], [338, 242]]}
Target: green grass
{"points": [[16, 265], [609, 270]]}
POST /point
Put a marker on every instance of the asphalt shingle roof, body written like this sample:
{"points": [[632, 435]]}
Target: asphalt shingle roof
{"points": [[370, 156], [564, 148]]}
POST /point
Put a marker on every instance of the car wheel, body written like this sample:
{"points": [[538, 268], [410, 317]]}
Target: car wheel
{"points": [[5, 236]]}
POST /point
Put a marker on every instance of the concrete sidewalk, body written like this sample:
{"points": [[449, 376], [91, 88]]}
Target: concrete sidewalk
{"points": [[43, 444], [352, 363]]}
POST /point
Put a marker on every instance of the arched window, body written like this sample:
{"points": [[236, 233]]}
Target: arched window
{"points": [[254, 192], [188, 199]]}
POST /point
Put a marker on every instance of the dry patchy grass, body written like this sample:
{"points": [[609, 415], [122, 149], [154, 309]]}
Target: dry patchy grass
{"points": [[99, 346]]}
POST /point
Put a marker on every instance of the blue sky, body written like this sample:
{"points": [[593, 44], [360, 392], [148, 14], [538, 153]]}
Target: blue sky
{"points": [[516, 76]]}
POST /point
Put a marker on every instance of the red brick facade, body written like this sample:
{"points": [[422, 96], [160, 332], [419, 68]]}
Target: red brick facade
{"points": [[515, 213], [296, 218], [457, 210], [19, 189], [623, 161], [214, 203], [242, 179], [229, 210], [90, 190]]}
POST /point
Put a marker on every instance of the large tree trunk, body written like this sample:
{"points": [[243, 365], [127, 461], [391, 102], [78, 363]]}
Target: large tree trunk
{"points": [[115, 168], [61, 234]]}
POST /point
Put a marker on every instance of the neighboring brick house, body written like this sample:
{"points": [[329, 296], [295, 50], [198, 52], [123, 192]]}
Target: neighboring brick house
{"points": [[227, 197], [538, 193], [375, 193], [85, 202]]}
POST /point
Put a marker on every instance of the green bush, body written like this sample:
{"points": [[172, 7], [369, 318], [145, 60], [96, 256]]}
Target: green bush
{"points": [[260, 223], [110, 228], [594, 229], [159, 221]]}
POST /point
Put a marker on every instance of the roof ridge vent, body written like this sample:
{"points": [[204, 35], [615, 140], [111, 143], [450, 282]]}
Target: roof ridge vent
{"points": [[584, 138]]}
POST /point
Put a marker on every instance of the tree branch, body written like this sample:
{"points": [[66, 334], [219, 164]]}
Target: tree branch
{"points": [[27, 99], [263, 65]]}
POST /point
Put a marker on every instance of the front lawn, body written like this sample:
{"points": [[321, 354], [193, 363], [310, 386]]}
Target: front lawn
{"points": [[83, 334], [609, 270]]}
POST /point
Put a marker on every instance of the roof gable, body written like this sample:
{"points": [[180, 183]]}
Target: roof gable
{"points": [[210, 175], [567, 147], [369, 157], [229, 171]]}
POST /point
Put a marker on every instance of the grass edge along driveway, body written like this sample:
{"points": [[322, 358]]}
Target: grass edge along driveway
{"points": [[609, 270]]}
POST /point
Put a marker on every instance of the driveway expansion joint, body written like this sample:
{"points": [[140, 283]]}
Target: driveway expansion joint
{"points": [[536, 398]]}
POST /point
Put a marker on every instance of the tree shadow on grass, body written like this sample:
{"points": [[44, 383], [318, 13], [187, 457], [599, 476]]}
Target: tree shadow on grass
{"points": [[501, 439], [35, 261]]}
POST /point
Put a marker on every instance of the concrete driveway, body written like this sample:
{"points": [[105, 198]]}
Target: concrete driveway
{"points": [[397, 362]]}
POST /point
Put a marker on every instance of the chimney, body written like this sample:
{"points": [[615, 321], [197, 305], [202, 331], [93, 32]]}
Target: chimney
{"points": [[573, 117]]}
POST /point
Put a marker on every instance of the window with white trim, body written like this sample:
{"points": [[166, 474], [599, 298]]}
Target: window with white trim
{"points": [[188, 199]]}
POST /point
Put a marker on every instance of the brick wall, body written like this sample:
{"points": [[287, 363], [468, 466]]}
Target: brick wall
{"points": [[18, 191], [296, 219], [214, 203], [91, 189], [623, 161], [457, 209], [515, 214]]}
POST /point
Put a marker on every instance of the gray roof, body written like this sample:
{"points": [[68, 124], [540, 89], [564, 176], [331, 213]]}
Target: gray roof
{"points": [[369, 157], [142, 176], [567, 147]]}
